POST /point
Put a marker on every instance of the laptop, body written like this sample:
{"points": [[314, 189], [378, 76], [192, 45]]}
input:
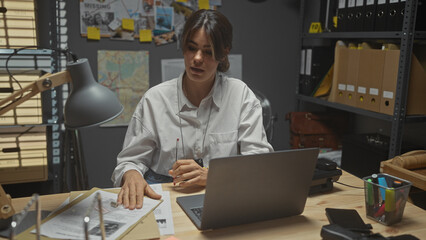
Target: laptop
{"points": [[249, 188]]}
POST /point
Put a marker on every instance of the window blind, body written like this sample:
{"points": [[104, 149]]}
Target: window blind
{"points": [[23, 140]]}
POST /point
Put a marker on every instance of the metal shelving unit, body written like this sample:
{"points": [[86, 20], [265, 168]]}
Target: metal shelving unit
{"points": [[362, 35], [405, 38]]}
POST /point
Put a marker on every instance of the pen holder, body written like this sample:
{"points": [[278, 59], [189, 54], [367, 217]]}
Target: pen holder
{"points": [[385, 197]]}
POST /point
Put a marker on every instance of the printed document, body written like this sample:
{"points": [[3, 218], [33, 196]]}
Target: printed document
{"points": [[163, 214], [67, 223]]}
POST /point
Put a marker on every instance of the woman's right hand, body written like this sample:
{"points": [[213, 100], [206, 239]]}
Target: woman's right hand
{"points": [[133, 189]]}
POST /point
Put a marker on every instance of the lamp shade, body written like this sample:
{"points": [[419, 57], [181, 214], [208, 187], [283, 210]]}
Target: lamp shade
{"points": [[89, 103]]}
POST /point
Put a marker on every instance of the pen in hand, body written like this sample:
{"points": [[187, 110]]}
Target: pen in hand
{"points": [[177, 144]]}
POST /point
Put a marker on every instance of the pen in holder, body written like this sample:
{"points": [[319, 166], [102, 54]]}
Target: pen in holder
{"points": [[385, 197], [86, 220], [17, 219]]}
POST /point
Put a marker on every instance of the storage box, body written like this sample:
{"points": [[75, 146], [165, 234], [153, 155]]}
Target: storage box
{"points": [[385, 197], [353, 62], [371, 63], [417, 84], [340, 70], [367, 79]]}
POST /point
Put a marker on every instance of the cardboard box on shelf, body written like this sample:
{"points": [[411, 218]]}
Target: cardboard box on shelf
{"points": [[371, 63], [417, 84], [350, 94], [339, 73]]}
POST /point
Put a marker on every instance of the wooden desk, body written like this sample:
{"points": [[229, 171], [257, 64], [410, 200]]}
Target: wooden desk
{"points": [[305, 226]]}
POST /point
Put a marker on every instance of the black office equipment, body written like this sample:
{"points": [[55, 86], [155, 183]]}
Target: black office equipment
{"points": [[347, 218], [325, 174], [348, 224], [362, 153]]}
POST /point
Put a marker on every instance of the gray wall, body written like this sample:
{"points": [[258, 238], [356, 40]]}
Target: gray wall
{"points": [[265, 33]]}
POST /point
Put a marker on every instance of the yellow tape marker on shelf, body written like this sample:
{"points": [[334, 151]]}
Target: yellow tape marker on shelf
{"points": [[315, 27]]}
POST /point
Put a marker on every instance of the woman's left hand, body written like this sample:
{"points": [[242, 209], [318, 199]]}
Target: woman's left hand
{"points": [[186, 172]]}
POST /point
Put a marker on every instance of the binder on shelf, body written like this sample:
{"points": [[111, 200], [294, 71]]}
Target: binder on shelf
{"points": [[330, 14], [317, 62], [369, 15], [302, 80], [381, 15], [371, 63], [350, 94], [306, 83], [393, 17], [359, 15], [400, 9], [342, 15], [421, 15], [351, 10], [340, 70]]}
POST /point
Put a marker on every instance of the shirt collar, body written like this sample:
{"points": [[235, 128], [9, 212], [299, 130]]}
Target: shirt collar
{"points": [[216, 92]]}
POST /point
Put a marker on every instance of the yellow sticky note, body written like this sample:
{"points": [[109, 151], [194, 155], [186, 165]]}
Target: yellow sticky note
{"points": [[315, 27], [184, 1], [145, 35], [93, 33], [128, 24], [203, 4]]}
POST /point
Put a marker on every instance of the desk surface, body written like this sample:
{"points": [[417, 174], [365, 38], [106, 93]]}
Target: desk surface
{"points": [[305, 226]]}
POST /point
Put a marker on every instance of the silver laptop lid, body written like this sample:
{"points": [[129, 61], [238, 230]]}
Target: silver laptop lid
{"points": [[249, 188]]}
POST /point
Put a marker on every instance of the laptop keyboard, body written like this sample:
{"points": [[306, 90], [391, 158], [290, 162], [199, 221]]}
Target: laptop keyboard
{"points": [[197, 211]]}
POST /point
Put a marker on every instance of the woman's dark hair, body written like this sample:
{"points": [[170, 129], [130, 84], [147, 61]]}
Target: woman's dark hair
{"points": [[218, 30]]}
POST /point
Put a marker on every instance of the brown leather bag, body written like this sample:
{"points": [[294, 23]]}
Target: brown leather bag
{"points": [[321, 130]]}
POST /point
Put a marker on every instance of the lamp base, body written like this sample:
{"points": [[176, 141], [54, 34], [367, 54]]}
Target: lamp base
{"points": [[27, 222]]}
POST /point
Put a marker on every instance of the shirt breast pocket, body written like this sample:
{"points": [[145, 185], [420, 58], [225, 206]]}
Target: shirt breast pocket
{"points": [[223, 144]]}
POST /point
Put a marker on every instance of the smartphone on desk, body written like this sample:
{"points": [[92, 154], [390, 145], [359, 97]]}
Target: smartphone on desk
{"points": [[347, 218]]}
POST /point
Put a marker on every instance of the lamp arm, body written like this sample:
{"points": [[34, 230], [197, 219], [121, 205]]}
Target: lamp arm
{"points": [[6, 209], [44, 83]]}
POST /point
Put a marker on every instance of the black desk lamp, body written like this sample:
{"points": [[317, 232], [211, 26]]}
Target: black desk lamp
{"points": [[88, 104]]}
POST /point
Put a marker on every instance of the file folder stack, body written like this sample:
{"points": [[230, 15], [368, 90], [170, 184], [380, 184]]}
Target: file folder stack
{"points": [[315, 62], [366, 78], [376, 15], [369, 15], [342, 15], [381, 15]]}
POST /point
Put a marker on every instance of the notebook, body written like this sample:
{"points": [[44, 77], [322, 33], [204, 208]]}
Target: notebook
{"points": [[250, 188]]}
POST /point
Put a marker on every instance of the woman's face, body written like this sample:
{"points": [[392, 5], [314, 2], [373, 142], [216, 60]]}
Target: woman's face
{"points": [[200, 65]]}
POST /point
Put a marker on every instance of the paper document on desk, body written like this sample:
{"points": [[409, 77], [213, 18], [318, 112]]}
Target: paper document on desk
{"points": [[67, 223], [163, 214]]}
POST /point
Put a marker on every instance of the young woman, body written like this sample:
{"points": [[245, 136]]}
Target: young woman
{"points": [[181, 124]]}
